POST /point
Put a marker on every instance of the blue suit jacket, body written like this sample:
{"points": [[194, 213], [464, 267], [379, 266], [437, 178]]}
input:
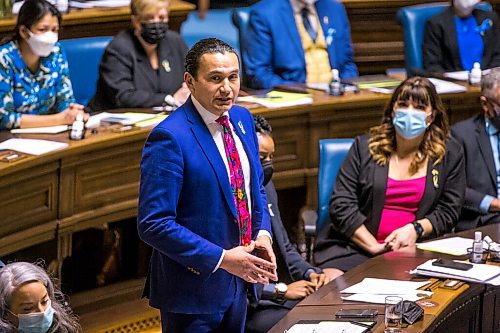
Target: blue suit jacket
{"points": [[273, 52], [187, 212]]}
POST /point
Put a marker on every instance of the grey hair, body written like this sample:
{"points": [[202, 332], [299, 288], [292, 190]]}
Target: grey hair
{"points": [[16, 274], [490, 82]]}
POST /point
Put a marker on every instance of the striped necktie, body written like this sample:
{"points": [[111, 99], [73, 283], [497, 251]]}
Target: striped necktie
{"points": [[237, 180], [307, 24]]}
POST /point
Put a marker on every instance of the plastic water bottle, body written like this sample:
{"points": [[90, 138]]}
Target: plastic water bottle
{"points": [[477, 248], [475, 74], [336, 88], [78, 128]]}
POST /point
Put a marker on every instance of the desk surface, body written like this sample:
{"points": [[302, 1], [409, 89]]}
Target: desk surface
{"points": [[323, 304]]}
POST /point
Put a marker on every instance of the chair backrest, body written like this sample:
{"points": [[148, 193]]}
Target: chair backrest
{"points": [[216, 24], [413, 20], [332, 153], [84, 56], [241, 16]]}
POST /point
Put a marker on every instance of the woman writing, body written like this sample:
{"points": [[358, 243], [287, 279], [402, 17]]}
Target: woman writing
{"points": [[144, 66], [30, 303], [35, 89], [403, 181]]}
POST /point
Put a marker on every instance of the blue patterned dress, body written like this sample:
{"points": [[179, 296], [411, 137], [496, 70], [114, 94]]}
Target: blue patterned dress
{"points": [[45, 92]]}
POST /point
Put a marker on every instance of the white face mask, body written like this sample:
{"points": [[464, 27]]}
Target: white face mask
{"points": [[465, 6], [42, 44]]}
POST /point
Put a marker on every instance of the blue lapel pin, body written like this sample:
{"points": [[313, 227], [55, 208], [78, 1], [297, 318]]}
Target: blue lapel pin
{"points": [[240, 125]]}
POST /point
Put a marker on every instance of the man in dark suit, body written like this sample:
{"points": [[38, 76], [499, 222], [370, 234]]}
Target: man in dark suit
{"points": [[479, 137], [297, 41], [202, 205], [460, 36], [297, 278]]}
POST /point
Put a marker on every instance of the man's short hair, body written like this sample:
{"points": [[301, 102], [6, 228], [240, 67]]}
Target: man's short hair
{"points": [[262, 126], [205, 46], [490, 82]]}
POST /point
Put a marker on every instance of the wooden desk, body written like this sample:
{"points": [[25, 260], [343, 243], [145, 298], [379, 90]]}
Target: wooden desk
{"points": [[103, 21], [472, 308]]}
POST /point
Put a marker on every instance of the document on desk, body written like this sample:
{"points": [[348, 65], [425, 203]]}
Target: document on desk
{"points": [[40, 130], [127, 118], [455, 246], [329, 327], [278, 99], [458, 75], [447, 87], [32, 146], [479, 273], [380, 298], [384, 286]]}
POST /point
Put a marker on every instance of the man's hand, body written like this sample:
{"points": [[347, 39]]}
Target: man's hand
{"points": [[402, 237], [240, 262], [182, 94], [299, 290], [264, 250], [495, 205], [68, 116], [318, 280]]}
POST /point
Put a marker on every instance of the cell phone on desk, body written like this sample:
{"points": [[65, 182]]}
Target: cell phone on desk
{"points": [[356, 313], [462, 266]]}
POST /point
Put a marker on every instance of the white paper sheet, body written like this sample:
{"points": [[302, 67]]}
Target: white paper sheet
{"points": [[455, 246], [41, 130], [446, 87], [459, 75], [129, 118], [384, 286], [32, 146], [380, 298], [327, 327]]}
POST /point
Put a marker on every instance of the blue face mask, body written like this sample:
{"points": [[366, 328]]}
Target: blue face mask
{"points": [[38, 322], [409, 123]]}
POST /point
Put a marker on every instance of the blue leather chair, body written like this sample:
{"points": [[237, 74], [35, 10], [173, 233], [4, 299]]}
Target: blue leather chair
{"points": [[241, 16], [332, 153], [84, 56], [217, 24], [413, 20]]}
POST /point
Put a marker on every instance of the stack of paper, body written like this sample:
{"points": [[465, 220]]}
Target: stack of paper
{"points": [[41, 130], [127, 118], [479, 273], [31, 146], [372, 290], [278, 99], [446, 87], [456, 246]]}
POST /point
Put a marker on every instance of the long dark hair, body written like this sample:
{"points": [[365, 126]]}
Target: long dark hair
{"points": [[31, 12]]}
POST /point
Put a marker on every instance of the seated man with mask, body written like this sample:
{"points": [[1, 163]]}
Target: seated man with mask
{"points": [[479, 137], [297, 278]]}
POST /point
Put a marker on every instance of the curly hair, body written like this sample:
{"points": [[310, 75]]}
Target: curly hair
{"points": [[16, 274], [382, 141], [261, 125]]}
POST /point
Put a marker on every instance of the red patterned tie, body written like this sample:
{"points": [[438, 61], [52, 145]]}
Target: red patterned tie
{"points": [[237, 183]]}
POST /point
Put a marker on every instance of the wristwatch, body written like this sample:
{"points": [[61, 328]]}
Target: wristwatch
{"points": [[418, 228], [280, 290]]}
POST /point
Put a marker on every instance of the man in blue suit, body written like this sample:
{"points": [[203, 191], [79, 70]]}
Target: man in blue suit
{"points": [[297, 41], [202, 258]]}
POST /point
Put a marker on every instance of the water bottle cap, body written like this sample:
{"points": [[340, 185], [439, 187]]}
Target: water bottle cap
{"points": [[478, 235]]}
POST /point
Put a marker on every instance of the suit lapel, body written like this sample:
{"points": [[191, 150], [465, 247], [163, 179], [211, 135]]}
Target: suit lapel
{"points": [[433, 185], [143, 64], [484, 144], [207, 144], [288, 21], [164, 54], [380, 174], [327, 24], [451, 32]]}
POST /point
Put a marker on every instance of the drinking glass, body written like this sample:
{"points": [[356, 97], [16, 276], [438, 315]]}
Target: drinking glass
{"points": [[393, 314]]}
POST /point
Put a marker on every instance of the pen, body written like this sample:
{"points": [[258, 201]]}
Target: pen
{"points": [[11, 157]]}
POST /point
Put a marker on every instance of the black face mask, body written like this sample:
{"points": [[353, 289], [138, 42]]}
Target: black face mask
{"points": [[153, 32], [267, 167]]}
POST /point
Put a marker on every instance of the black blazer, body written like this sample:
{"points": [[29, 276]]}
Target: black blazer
{"points": [[480, 171], [359, 196], [440, 46], [291, 265], [126, 78]]}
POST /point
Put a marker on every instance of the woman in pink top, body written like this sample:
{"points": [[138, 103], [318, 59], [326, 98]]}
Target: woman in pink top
{"points": [[403, 181]]}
